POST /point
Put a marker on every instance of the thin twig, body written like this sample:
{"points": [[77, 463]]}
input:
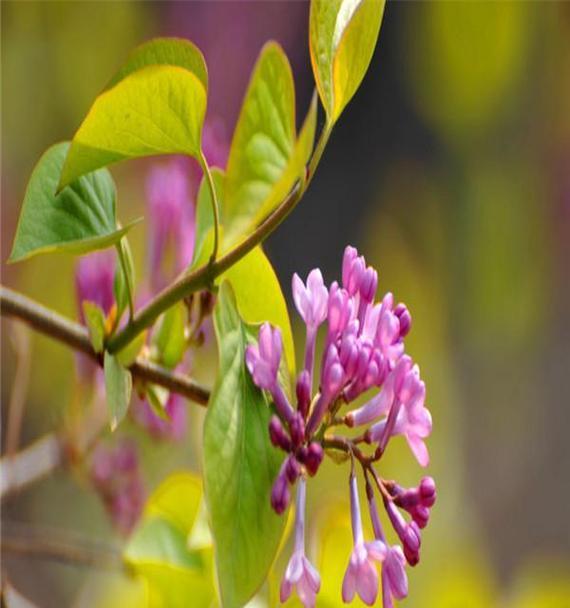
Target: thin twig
{"points": [[75, 335], [63, 547], [21, 342]]}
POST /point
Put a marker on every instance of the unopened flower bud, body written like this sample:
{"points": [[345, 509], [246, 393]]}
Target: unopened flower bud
{"points": [[427, 491], [313, 458], [405, 318], [297, 429], [303, 390], [292, 469], [280, 494], [278, 435]]}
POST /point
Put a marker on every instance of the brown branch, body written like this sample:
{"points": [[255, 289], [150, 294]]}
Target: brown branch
{"points": [[73, 334]]}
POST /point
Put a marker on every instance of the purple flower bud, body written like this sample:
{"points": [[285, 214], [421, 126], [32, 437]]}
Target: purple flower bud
{"points": [[340, 311], [409, 534], [303, 390], [313, 458], [280, 493], [368, 285], [297, 429], [350, 254], [333, 374], [278, 435], [405, 318], [427, 491], [292, 469]]}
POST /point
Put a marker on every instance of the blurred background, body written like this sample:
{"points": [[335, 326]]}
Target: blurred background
{"points": [[449, 170]]}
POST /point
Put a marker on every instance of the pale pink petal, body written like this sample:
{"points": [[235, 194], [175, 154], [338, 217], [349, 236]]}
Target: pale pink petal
{"points": [[349, 583], [419, 449], [312, 575], [285, 591], [367, 582]]}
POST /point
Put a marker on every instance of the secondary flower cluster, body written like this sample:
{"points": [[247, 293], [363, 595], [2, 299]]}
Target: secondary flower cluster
{"points": [[115, 474], [363, 351]]}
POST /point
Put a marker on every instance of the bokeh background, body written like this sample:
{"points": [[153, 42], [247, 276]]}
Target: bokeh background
{"points": [[450, 171]]}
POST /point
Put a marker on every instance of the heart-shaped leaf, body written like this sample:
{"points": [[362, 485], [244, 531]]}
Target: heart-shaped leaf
{"points": [[155, 110], [240, 464], [81, 218], [342, 37], [164, 51], [264, 161]]}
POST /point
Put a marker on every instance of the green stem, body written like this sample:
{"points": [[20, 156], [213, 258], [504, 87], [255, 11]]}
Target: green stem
{"points": [[126, 274], [200, 278], [215, 205]]}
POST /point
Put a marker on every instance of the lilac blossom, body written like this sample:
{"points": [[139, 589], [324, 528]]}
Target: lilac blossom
{"points": [[300, 574], [364, 351], [361, 575]]}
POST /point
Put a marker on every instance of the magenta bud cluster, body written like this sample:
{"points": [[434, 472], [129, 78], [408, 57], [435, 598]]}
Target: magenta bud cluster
{"points": [[116, 476], [364, 353]]}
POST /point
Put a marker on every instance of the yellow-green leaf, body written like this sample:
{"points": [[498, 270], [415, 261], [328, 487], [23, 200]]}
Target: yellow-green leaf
{"points": [[263, 140], [118, 387], [342, 37], [260, 298], [164, 51], [95, 321], [155, 110]]}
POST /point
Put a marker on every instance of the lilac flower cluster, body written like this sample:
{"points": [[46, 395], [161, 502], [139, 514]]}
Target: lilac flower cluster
{"points": [[115, 474], [363, 351]]}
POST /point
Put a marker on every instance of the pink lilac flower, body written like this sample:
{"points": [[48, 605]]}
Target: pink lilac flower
{"points": [[300, 574], [311, 302], [171, 212], [94, 278], [363, 351], [361, 575], [116, 477], [263, 360]]}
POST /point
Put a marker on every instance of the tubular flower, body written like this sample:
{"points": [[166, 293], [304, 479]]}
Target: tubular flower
{"points": [[300, 573]]}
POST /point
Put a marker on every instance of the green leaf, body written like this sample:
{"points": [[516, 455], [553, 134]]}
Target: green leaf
{"points": [[157, 397], [95, 320], [342, 37], [155, 110], [118, 386], [240, 464], [164, 51], [263, 140], [260, 298], [127, 356], [81, 218], [169, 338], [124, 282], [158, 549]]}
